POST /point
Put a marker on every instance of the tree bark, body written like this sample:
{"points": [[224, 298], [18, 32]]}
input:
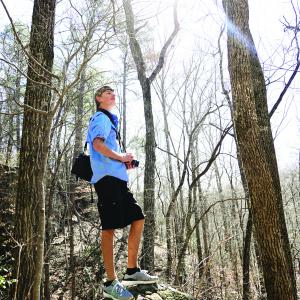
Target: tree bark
{"points": [[247, 237], [124, 100], [206, 247], [30, 200], [149, 177], [255, 142], [197, 202], [246, 259], [18, 121], [10, 129]]}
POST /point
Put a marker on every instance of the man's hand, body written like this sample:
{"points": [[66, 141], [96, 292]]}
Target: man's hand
{"points": [[100, 146], [126, 158]]}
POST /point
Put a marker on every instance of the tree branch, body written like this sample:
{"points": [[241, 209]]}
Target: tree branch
{"points": [[166, 45], [134, 45], [213, 155], [188, 236], [26, 76], [22, 46], [170, 154], [296, 29], [275, 106]]}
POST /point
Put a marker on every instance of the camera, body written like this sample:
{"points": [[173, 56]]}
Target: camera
{"points": [[135, 163]]}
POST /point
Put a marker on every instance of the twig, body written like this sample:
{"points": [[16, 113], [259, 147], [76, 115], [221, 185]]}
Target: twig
{"points": [[21, 44], [166, 45], [22, 73], [170, 154]]}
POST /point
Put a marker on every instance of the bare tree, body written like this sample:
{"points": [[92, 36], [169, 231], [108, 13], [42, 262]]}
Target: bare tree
{"points": [[145, 82], [254, 137], [40, 106], [30, 200]]}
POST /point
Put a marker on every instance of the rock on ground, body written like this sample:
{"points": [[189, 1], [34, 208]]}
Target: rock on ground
{"points": [[157, 292]]}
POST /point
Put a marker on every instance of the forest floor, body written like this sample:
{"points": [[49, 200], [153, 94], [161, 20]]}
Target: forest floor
{"points": [[89, 272]]}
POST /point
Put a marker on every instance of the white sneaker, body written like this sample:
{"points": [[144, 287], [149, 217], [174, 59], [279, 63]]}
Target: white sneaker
{"points": [[139, 277]]}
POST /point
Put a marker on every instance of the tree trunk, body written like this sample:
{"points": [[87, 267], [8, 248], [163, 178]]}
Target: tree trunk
{"points": [[254, 137], [247, 237], [149, 181], [170, 209], [124, 113], [30, 200], [223, 210], [149, 175], [77, 149], [18, 118], [261, 289], [49, 204], [246, 259], [10, 132], [197, 201], [206, 248], [72, 266]]}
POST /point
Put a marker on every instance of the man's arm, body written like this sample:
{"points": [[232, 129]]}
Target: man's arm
{"points": [[99, 146]]}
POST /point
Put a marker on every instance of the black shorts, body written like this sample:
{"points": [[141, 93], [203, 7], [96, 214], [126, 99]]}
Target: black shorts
{"points": [[116, 204]]}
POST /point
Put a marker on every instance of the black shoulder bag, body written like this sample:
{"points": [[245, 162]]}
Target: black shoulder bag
{"points": [[82, 166]]}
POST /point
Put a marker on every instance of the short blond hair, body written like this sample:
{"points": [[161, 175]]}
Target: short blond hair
{"points": [[100, 91]]}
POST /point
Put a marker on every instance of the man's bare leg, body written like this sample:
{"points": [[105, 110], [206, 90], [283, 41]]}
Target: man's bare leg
{"points": [[107, 245], [134, 239]]}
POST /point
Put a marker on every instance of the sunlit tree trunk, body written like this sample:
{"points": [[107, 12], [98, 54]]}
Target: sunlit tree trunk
{"points": [[248, 234], [30, 200], [254, 137]]}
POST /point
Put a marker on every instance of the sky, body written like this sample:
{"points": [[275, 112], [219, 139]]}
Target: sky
{"points": [[200, 21]]}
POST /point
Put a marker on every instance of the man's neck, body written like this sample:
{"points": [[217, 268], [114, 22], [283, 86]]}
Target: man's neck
{"points": [[105, 108]]}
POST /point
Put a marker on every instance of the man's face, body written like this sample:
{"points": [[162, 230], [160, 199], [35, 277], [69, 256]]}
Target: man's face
{"points": [[107, 99]]}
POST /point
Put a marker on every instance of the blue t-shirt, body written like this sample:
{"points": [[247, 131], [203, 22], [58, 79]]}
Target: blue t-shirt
{"points": [[101, 126]]}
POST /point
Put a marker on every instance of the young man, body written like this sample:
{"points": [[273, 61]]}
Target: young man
{"points": [[116, 204]]}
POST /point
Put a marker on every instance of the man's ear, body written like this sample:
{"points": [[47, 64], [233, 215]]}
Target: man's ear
{"points": [[98, 99]]}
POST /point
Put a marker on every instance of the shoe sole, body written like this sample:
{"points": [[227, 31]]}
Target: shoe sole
{"points": [[135, 282], [105, 295]]}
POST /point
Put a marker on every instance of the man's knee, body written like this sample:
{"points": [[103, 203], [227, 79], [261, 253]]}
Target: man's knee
{"points": [[138, 223], [108, 233]]}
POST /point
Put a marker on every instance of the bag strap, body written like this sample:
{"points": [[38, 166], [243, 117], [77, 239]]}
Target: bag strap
{"points": [[108, 114], [85, 146], [121, 144]]}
